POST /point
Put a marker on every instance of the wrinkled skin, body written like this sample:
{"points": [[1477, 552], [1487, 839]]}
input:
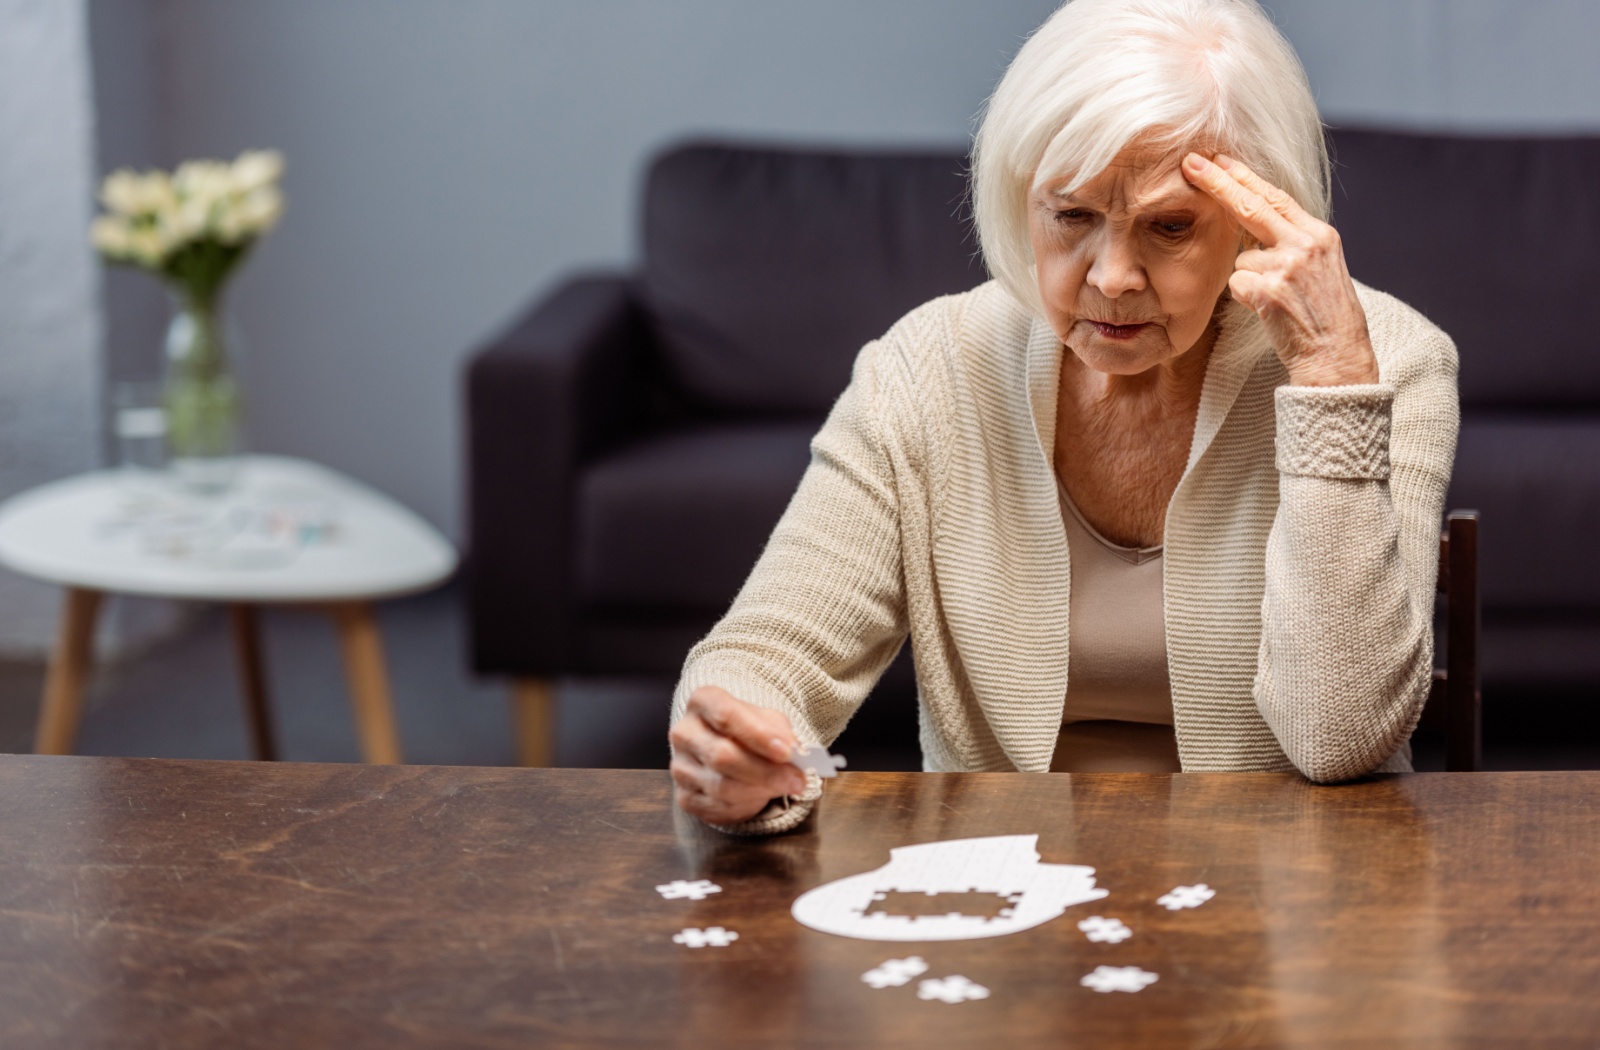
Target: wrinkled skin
{"points": [[730, 758], [1132, 268]]}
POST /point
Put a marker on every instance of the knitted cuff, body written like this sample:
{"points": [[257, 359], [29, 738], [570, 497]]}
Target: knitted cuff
{"points": [[738, 679], [1335, 431], [781, 814]]}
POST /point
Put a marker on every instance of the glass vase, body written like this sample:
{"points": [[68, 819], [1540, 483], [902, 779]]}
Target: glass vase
{"points": [[205, 410]]}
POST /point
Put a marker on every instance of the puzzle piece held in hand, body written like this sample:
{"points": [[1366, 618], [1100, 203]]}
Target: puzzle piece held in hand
{"points": [[1105, 931], [711, 936], [1186, 897], [895, 972], [952, 989], [1119, 979], [680, 889], [817, 760]]}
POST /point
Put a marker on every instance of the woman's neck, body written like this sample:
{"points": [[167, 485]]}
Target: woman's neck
{"points": [[1122, 441]]}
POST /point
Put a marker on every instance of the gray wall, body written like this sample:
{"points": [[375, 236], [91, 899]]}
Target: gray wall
{"points": [[1473, 65], [50, 349], [448, 159]]}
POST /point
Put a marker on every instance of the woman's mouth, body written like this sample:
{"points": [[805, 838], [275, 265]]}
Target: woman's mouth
{"points": [[1119, 331]]}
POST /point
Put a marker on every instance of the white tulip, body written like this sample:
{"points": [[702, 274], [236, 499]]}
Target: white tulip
{"points": [[126, 192], [188, 221], [260, 210], [201, 181], [256, 169], [121, 192], [153, 215], [109, 234], [147, 247], [232, 225], [158, 195]]}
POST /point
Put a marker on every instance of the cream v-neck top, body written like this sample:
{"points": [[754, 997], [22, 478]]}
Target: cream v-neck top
{"points": [[1118, 712], [1300, 550]]}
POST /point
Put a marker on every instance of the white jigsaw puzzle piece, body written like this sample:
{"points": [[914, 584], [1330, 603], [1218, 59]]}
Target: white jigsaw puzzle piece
{"points": [[952, 989], [895, 972], [710, 937], [1186, 897], [1005, 865], [817, 760], [1119, 979], [681, 889], [1105, 931]]}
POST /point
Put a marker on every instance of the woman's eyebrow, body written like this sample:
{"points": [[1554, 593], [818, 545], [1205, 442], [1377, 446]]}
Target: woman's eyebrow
{"points": [[1177, 197]]}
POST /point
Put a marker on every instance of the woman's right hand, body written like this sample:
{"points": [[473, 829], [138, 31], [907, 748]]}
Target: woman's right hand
{"points": [[730, 758]]}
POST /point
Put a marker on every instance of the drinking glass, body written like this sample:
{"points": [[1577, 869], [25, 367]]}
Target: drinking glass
{"points": [[139, 422]]}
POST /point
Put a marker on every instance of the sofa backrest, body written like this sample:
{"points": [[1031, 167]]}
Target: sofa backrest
{"points": [[1497, 241], [766, 270]]}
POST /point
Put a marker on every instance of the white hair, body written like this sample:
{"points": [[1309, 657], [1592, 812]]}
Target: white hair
{"points": [[1174, 74]]}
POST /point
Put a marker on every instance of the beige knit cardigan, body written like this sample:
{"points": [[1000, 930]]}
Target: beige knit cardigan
{"points": [[1301, 547]]}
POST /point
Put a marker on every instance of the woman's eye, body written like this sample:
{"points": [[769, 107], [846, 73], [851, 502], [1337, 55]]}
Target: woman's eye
{"points": [[1173, 229], [1068, 216]]}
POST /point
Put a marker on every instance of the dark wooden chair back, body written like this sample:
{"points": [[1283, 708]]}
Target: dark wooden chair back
{"points": [[1454, 700]]}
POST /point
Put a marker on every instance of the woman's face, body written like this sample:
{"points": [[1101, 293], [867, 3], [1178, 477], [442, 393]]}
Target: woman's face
{"points": [[1131, 264]]}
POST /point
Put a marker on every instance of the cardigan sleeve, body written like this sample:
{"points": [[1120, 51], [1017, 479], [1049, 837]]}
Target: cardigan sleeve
{"points": [[1346, 655], [823, 612]]}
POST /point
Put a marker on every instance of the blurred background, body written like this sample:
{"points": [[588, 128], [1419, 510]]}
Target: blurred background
{"points": [[448, 164]]}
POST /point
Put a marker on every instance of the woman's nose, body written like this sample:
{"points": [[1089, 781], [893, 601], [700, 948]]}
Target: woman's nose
{"points": [[1116, 267]]}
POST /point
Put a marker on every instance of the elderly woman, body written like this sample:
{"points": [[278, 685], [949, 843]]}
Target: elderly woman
{"points": [[1163, 495]]}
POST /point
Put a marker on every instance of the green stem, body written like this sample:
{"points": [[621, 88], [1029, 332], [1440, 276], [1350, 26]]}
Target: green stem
{"points": [[203, 404], [207, 356]]}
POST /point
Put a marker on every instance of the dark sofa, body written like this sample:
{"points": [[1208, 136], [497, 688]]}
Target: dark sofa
{"points": [[633, 437], [1498, 242]]}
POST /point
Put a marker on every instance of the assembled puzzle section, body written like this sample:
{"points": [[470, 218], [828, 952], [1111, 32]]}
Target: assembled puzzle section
{"points": [[1024, 892]]}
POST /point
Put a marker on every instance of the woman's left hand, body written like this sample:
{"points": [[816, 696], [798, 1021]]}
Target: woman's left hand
{"points": [[1296, 281]]}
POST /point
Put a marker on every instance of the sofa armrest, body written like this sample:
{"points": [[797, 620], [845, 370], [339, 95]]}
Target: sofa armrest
{"points": [[566, 379]]}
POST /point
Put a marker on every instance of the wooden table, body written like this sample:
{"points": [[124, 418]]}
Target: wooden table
{"points": [[184, 904]]}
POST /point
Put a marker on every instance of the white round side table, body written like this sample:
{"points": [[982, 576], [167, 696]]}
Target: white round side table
{"points": [[290, 532]]}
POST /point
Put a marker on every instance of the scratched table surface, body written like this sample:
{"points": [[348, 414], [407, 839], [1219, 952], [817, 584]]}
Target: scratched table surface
{"points": [[149, 903]]}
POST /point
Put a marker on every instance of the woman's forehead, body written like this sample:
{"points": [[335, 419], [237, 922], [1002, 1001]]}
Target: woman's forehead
{"points": [[1136, 179]]}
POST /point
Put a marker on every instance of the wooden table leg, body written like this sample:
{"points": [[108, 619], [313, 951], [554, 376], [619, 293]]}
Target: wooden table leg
{"points": [[253, 680], [533, 717], [369, 681], [62, 707]]}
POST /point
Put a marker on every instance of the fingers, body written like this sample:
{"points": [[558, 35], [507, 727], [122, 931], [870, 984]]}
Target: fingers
{"points": [[760, 730], [1255, 259], [720, 802], [1297, 281], [719, 757], [707, 793], [1280, 200], [721, 765], [1253, 211], [1252, 289]]}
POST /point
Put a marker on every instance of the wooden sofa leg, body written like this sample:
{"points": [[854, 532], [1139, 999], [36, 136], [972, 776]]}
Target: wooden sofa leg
{"points": [[533, 719]]}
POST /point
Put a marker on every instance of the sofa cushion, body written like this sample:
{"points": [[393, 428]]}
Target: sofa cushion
{"points": [[1536, 482], [766, 270], [677, 522], [1496, 240]]}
